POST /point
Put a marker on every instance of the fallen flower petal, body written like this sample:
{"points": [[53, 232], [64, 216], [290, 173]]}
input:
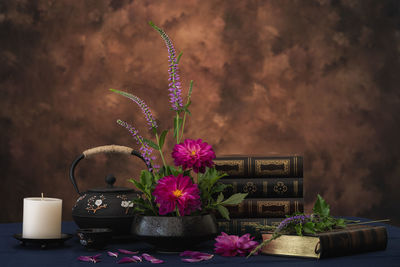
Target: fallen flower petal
{"points": [[196, 254], [126, 260], [151, 259], [124, 251], [93, 259], [85, 258], [192, 260], [138, 258], [112, 254]]}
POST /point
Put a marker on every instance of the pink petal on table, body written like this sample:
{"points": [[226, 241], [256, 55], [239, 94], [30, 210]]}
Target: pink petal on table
{"points": [[85, 258], [126, 260], [112, 254], [197, 254], [192, 260], [151, 259], [138, 258], [124, 251], [93, 259]]}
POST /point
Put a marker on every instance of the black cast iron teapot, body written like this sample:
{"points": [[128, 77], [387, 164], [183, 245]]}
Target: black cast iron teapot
{"points": [[108, 207]]}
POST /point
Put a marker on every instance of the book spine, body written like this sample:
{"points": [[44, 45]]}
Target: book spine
{"points": [[266, 208], [265, 187], [353, 241], [243, 226], [261, 167]]}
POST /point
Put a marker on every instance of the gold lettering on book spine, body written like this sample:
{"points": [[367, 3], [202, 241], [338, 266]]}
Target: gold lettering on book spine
{"points": [[238, 164], [285, 205], [284, 171]]}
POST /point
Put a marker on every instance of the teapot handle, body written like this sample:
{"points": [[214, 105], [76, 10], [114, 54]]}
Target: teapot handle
{"points": [[101, 149]]}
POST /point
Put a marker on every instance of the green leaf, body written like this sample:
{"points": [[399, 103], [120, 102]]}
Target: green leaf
{"points": [[219, 187], [146, 179], [138, 185], [162, 139], [220, 198], [321, 207], [308, 228], [151, 143], [179, 57], [299, 229], [320, 227], [190, 90], [234, 199], [223, 211], [340, 223]]}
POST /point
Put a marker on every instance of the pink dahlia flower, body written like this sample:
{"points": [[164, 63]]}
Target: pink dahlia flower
{"points": [[232, 245], [178, 191], [194, 154]]}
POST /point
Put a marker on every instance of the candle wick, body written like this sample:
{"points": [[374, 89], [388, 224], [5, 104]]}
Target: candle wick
{"points": [[42, 196]]}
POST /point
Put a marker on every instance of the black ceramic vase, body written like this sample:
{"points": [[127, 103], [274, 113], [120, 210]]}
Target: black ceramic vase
{"points": [[174, 234]]}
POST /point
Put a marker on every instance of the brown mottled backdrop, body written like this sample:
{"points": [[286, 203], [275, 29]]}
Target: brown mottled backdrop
{"points": [[317, 78]]}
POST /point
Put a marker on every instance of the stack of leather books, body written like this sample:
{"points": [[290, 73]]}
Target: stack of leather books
{"points": [[274, 186]]}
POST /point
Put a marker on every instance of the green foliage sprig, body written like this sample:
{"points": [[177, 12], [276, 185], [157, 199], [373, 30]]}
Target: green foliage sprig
{"points": [[319, 221]]}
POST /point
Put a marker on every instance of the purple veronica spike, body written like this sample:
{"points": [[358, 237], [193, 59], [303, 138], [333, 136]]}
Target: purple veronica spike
{"points": [[145, 109], [151, 259], [298, 219], [145, 150], [175, 87]]}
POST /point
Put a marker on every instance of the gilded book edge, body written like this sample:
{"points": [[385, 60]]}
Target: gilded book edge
{"points": [[291, 245]]}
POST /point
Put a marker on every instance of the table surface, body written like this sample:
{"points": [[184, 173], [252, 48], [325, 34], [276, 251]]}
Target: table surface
{"points": [[12, 253]]}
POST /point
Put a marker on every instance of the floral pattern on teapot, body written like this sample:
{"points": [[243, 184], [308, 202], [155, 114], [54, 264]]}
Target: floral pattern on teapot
{"points": [[96, 203], [125, 203], [79, 199]]}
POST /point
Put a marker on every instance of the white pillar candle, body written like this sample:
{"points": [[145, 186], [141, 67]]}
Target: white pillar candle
{"points": [[42, 218]]}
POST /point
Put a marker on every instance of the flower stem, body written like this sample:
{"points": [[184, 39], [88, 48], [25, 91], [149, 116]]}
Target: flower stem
{"points": [[262, 244], [187, 104], [159, 149], [177, 127], [183, 126], [177, 212]]}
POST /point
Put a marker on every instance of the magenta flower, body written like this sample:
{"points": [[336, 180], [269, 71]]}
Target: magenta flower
{"points": [[180, 191], [232, 245], [194, 154]]}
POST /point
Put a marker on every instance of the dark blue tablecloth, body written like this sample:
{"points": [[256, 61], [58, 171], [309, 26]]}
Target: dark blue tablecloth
{"points": [[13, 254]]}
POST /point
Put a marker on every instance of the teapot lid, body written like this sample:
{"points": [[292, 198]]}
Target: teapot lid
{"points": [[110, 180]]}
